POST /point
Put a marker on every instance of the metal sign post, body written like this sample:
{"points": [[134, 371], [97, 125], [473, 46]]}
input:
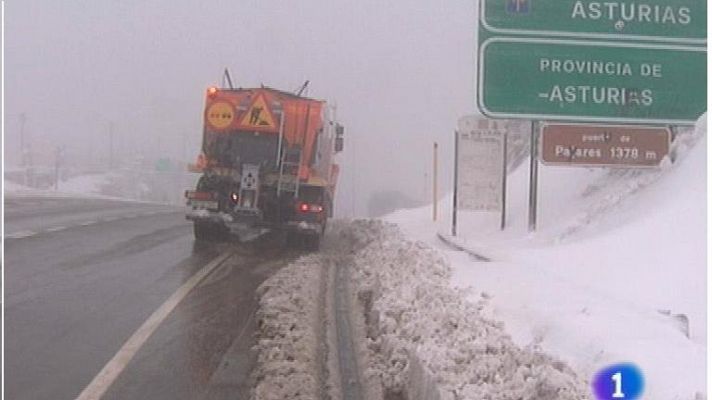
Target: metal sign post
{"points": [[435, 181], [533, 175], [504, 181], [454, 190]]}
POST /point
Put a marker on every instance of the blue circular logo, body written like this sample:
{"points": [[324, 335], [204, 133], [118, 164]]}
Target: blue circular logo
{"points": [[619, 381]]}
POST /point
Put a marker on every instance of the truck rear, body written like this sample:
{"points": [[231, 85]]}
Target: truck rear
{"points": [[267, 162]]}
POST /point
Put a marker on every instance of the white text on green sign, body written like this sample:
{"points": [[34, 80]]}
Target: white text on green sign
{"points": [[680, 21], [591, 81]]}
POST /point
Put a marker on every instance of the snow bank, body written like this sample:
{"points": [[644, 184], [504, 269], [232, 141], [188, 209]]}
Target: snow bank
{"points": [[10, 187], [415, 336], [14, 189], [137, 185], [289, 332], [86, 184], [615, 272], [414, 315]]}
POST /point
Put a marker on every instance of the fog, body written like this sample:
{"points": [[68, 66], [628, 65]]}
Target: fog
{"points": [[85, 72]]}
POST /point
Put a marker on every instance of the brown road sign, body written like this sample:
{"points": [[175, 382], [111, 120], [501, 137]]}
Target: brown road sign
{"points": [[604, 145]]}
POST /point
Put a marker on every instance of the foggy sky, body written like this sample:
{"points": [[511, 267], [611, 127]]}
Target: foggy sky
{"points": [[400, 72]]}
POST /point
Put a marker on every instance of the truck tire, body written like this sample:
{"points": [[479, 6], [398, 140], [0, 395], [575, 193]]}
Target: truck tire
{"points": [[201, 232], [303, 241], [205, 232], [291, 240], [310, 242]]}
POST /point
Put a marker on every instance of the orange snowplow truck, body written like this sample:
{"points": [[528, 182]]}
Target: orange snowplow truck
{"points": [[267, 162]]}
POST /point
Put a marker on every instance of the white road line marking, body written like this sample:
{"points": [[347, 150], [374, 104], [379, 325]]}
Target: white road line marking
{"points": [[101, 382], [55, 229], [20, 234], [87, 223]]}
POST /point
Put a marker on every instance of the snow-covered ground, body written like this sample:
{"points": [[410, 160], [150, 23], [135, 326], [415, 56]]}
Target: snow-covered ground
{"points": [[414, 336], [615, 272], [126, 184], [85, 186]]}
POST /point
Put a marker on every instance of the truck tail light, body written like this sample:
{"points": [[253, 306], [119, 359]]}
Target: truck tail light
{"points": [[306, 207]]}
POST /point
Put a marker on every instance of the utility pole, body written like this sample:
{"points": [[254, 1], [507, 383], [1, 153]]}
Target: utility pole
{"points": [[23, 119], [183, 155], [533, 175], [23, 155], [454, 185], [353, 176], [111, 145], [58, 155]]}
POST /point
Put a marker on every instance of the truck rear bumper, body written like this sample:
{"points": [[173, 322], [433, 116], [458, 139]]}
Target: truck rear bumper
{"points": [[304, 227], [235, 223], [242, 222], [208, 216]]}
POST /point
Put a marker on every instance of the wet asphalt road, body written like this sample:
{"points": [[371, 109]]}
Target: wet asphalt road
{"points": [[83, 275]]}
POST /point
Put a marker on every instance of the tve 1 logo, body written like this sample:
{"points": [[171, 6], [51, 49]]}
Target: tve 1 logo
{"points": [[620, 381]]}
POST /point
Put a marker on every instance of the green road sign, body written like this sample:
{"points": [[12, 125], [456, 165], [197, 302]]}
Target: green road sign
{"points": [[678, 21], [591, 81], [163, 165]]}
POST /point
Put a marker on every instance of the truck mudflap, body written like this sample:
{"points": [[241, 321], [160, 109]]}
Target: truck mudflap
{"points": [[245, 226], [304, 235], [313, 228]]}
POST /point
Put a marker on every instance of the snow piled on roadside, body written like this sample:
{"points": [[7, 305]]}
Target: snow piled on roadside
{"points": [[614, 273], [14, 189], [414, 315], [420, 338], [287, 341], [91, 184]]}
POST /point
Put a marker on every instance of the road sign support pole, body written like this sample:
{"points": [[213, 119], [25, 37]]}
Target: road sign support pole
{"points": [[673, 134], [435, 181], [504, 181], [454, 190], [533, 175]]}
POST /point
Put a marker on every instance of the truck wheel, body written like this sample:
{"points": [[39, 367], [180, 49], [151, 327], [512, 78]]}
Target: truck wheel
{"points": [[311, 242], [209, 232], [291, 240]]}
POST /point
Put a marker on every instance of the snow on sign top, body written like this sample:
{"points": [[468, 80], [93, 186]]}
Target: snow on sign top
{"points": [[258, 115]]}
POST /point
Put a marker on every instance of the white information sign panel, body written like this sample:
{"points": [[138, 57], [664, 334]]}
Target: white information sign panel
{"points": [[480, 164]]}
